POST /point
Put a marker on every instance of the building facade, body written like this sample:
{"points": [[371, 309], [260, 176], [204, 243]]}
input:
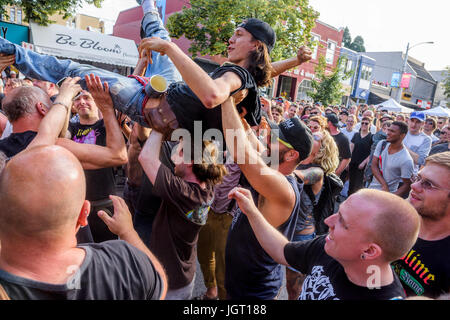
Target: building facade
{"points": [[417, 85], [440, 99]]}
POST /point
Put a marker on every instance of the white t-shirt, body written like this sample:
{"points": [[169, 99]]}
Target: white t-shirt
{"points": [[8, 130], [349, 134]]}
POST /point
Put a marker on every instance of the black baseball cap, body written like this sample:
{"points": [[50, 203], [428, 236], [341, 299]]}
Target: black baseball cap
{"points": [[294, 134], [261, 31], [332, 117]]}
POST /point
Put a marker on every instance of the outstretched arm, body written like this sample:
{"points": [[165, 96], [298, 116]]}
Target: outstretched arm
{"points": [[304, 54], [272, 241], [93, 156], [54, 121], [211, 92], [261, 177]]}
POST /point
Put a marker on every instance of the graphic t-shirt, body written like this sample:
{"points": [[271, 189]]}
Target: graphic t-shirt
{"points": [[100, 183], [425, 269], [326, 278], [184, 210], [112, 270]]}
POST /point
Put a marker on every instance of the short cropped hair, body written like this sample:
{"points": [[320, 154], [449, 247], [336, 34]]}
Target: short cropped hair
{"points": [[402, 125], [440, 159]]}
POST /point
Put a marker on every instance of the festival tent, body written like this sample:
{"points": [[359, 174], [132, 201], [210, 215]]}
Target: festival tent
{"points": [[437, 112], [394, 106]]}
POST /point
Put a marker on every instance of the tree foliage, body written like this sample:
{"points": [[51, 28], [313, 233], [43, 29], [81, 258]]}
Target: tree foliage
{"points": [[446, 82], [358, 44], [327, 86], [347, 38], [39, 11], [210, 23]]}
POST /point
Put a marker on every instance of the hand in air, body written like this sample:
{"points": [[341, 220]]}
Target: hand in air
{"points": [[6, 61], [148, 45], [244, 200], [121, 222], [70, 88], [100, 92], [304, 54]]}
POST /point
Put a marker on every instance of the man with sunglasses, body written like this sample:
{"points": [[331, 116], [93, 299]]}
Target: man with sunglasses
{"points": [[425, 269]]}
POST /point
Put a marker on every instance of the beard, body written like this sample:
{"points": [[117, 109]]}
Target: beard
{"points": [[435, 213]]}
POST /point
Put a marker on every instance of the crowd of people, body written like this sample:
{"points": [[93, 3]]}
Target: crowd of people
{"points": [[353, 201]]}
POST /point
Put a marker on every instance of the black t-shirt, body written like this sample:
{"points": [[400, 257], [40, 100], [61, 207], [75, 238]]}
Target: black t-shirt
{"points": [[326, 278], [100, 183], [112, 270], [16, 142], [425, 269], [361, 148], [184, 210], [343, 145], [188, 108]]}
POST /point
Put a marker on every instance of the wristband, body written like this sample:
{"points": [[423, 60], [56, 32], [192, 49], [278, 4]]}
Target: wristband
{"points": [[63, 104]]}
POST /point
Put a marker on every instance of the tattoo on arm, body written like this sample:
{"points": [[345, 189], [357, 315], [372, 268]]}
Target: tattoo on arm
{"points": [[312, 175]]}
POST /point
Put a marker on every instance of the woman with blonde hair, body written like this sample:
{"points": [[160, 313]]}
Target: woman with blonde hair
{"points": [[317, 124]]}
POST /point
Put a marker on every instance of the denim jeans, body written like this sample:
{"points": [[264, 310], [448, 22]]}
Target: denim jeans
{"points": [[127, 93]]}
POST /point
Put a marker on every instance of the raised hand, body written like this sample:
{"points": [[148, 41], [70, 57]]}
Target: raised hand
{"points": [[148, 45], [244, 200], [121, 222], [304, 54], [100, 92], [69, 89], [6, 60]]}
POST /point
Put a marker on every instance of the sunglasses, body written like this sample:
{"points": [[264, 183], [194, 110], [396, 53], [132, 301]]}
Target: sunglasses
{"points": [[365, 123]]}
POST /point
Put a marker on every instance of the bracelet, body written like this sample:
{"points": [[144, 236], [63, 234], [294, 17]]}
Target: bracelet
{"points": [[63, 104]]}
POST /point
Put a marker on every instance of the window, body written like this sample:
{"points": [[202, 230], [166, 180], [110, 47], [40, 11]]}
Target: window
{"points": [[331, 48], [19, 16], [12, 15], [303, 88], [316, 39]]}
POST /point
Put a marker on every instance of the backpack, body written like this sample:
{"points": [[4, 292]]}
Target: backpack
{"points": [[368, 175], [332, 186]]}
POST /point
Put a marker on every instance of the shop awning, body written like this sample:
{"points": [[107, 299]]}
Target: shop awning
{"points": [[79, 44]]}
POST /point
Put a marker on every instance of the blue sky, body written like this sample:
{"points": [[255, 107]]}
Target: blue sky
{"points": [[385, 25]]}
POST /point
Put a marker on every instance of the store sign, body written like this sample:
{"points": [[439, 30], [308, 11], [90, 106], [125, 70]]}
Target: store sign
{"points": [[406, 79], [395, 80], [424, 104], [15, 33], [84, 45]]}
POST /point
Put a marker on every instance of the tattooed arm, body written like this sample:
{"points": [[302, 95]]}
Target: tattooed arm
{"points": [[312, 176]]}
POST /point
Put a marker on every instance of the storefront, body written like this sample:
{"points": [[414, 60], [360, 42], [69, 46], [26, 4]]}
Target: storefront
{"points": [[103, 51]]}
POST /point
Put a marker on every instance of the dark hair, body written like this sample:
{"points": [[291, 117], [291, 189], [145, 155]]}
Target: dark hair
{"points": [[207, 169], [402, 126], [260, 65]]}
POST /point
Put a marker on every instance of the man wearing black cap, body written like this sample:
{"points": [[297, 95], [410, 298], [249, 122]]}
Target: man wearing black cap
{"points": [[342, 143], [250, 272]]}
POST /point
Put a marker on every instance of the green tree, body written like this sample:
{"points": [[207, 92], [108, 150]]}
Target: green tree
{"points": [[39, 11], [210, 23], [358, 44], [327, 86], [347, 38], [446, 83]]}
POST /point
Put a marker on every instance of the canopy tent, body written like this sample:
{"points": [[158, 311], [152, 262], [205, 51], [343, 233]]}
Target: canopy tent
{"points": [[392, 105], [437, 112]]}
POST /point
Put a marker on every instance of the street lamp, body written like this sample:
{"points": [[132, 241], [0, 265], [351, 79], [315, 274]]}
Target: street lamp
{"points": [[405, 61]]}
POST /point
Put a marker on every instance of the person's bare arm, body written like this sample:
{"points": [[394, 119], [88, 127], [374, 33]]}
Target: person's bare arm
{"points": [[211, 92], [342, 166], [149, 156], [304, 54], [115, 151], [261, 177], [55, 119], [377, 174], [270, 239], [404, 189], [121, 224]]}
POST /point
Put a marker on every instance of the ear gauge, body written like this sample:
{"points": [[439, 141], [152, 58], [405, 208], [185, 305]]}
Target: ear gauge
{"points": [[363, 257]]}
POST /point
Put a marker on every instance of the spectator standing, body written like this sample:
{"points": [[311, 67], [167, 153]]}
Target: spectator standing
{"points": [[349, 129], [342, 143], [425, 269], [391, 163], [417, 142], [360, 146], [442, 145], [429, 128]]}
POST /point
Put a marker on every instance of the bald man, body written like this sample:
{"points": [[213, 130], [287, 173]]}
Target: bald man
{"points": [[354, 258], [39, 257]]}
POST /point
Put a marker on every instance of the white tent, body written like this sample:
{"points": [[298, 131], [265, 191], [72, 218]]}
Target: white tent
{"points": [[437, 112], [392, 105]]}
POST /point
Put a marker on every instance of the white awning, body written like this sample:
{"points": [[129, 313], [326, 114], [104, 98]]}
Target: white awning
{"points": [[57, 40]]}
